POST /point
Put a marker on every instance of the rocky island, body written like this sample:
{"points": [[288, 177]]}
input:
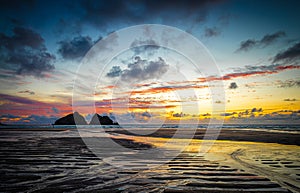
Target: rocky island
{"points": [[102, 120], [80, 120]]}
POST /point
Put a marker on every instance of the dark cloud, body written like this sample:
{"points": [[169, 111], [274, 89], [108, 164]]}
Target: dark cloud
{"points": [[148, 47], [206, 115], [288, 83], [140, 70], [288, 111], [32, 63], [246, 45], [22, 37], [210, 32], [27, 92], [256, 110], [264, 41], [75, 48], [144, 70], [270, 38], [115, 71], [103, 13], [180, 115], [289, 55], [250, 112], [290, 100], [146, 114], [227, 114], [271, 67], [25, 53], [233, 85]]}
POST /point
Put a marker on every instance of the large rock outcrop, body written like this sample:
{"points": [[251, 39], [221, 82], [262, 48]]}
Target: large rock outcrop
{"points": [[101, 120], [69, 120]]}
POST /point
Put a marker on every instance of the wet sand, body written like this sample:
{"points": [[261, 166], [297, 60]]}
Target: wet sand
{"points": [[266, 136], [31, 162]]}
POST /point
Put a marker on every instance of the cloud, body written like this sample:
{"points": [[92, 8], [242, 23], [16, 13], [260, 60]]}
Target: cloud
{"points": [[22, 37], [288, 83], [252, 71], [133, 117], [289, 55], [263, 42], [115, 71], [39, 119], [164, 89], [24, 106], [244, 72], [129, 104], [75, 48], [290, 100], [227, 114], [146, 114], [281, 116], [140, 70], [248, 113], [9, 116], [256, 115], [210, 32], [233, 85], [180, 114], [246, 45], [140, 116], [256, 110], [27, 92], [148, 47], [25, 53], [270, 38], [20, 100], [31, 119]]}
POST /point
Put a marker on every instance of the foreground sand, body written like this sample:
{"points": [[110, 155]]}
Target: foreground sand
{"points": [[276, 162], [44, 162]]}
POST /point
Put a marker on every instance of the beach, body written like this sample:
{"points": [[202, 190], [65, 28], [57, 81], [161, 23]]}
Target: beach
{"points": [[58, 160]]}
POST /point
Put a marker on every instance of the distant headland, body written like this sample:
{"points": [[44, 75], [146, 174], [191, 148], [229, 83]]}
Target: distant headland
{"points": [[96, 120]]}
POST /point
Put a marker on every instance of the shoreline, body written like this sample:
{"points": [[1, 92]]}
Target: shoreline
{"points": [[264, 136], [226, 134]]}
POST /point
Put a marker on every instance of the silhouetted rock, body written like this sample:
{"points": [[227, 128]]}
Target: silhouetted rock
{"points": [[69, 120], [102, 120]]}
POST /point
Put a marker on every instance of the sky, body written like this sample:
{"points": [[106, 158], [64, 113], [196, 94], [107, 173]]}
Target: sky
{"points": [[253, 47]]}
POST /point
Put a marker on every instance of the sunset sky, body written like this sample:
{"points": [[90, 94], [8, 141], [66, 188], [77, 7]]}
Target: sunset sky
{"points": [[254, 44]]}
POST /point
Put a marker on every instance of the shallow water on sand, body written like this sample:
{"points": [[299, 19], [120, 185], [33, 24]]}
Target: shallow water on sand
{"points": [[59, 161]]}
